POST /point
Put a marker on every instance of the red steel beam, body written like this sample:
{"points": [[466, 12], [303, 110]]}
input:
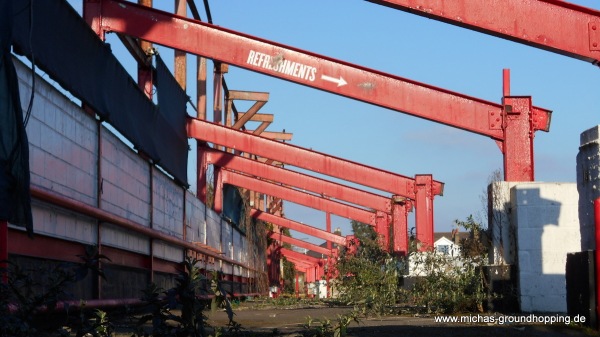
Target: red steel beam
{"points": [[299, 180], [295, 65], [552, 25], [299, 243], [309, 200], [304, 158], [299, 227], [288, 253]]}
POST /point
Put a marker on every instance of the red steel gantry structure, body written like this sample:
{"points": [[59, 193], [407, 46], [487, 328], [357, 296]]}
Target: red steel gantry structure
{"points": [[552, 25], [511, 124]]}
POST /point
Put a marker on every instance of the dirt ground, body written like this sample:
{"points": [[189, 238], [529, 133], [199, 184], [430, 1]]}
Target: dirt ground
{"points": [[289, 322]]}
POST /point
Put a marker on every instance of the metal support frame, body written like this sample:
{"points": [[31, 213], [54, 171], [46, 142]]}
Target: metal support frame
{"points": [[363, 84], [298, 180], [288, 253], [306, 159], [299, 243], [400, 211], [424, 210], [299, 227], [552, 25], [301, 198]]}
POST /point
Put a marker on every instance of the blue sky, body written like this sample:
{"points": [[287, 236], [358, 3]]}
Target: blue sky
{"points": [[422, 50]]}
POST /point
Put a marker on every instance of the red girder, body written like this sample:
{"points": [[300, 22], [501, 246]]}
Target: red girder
{"points": [[307, 159], [299, 243], [313, 70], [288, 253], [302, 181], [552, 25], [309, 200], [299, 227]]}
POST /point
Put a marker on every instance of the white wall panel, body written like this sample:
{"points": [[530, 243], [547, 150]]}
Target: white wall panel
{"points": [[167, 205], [125, 181]]}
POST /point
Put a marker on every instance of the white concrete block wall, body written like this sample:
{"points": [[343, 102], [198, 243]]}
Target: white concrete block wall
{"points": [[63, 157], [167, 205], [545, 215], [118, 237], [59, 223], [213, 229], [227, 239], [503, 232], [125, 181], [194, 218], [167, 251], [62, 141], [588, 183]]}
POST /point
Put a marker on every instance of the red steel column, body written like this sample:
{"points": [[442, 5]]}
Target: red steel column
{"points": [[400, 211], [424, 210], [519, 129], [4, 249], [518, 139], [328, 228], [218, 190], [597, 220], [383, 230]]}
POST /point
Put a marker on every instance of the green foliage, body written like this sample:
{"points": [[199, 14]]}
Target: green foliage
{"points": [[369, 276], [29, 298], [448, 284], [327, 328], [192, 322], [289, 276]]}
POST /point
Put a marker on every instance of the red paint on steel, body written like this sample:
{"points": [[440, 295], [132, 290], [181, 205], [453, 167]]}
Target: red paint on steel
{"points": [[300, 243], [382, 222], [218, 190], [301, 198], [299, 227], [597, 221], [518, 144], [400, 228], [299, 180], [3, 249], [300, 66], [328, 227], [424, 211], [44, 247], [288, 253], [552, 25], [396, 93], [505, 82], [304, 158]]}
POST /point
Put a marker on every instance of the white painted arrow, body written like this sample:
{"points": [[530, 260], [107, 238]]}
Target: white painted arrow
{"points": [[340, 81]]}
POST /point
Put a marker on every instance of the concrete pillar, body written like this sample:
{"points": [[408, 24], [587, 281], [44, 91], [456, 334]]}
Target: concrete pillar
{"points": [[588, 183], [502, 231]]}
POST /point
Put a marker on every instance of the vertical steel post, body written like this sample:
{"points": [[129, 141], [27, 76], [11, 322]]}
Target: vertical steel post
{"points": [[145, 81], [382, 229], [518, 125], [424, 210], [328, 228], [518, 139], [400, 208], [218, 190], [180, 62]]}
